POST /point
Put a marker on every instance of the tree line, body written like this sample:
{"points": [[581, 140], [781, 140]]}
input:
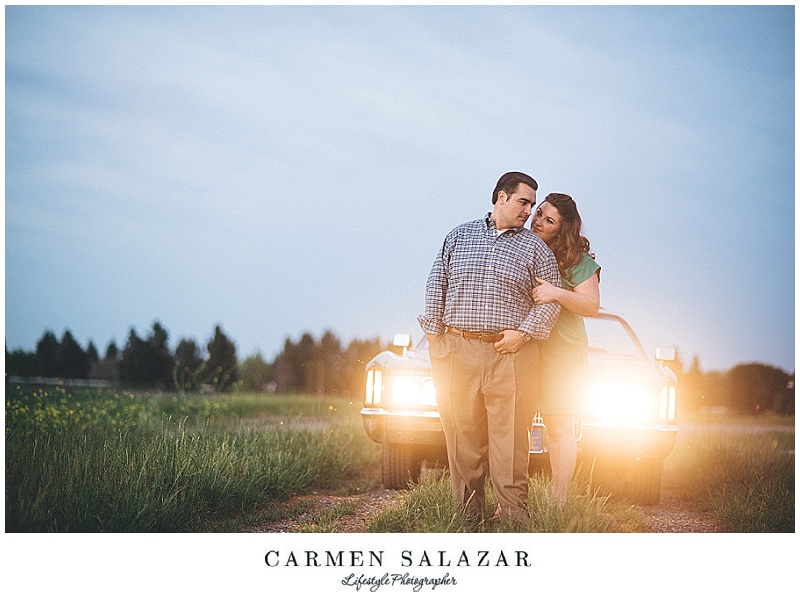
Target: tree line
{"points": [[319, 366], [328, 366], [749, 388]]}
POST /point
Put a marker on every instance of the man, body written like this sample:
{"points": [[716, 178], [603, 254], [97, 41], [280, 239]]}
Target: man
{"points": [[482, 327]]}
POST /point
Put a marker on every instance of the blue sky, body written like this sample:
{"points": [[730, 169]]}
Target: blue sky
{"points": [[277, 170]]}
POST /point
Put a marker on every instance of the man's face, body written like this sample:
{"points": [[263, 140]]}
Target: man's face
{"points": [[513, 211]]}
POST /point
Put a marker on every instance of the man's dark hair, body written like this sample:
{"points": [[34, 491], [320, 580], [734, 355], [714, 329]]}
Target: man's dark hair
{"points": [[510, 181]]}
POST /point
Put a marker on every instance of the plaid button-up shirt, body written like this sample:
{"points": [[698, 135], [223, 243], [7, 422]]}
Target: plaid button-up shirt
{"points": [[482, 280]]}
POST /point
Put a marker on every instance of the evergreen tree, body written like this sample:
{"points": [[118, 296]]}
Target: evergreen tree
{"points": [[48, 352], [189, 368], [74, 362], [221, 364], [160, 360], [188, 354], [91, 352], [112, 352], [328, 365], [302, 361], [147, 363], [132, 365], [283, 371]]}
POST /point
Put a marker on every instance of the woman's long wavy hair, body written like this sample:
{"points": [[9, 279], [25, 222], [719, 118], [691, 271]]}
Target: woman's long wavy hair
{"points": [[569, 244]]}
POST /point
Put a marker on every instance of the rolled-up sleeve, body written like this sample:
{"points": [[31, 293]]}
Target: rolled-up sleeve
{"points": [[436, 289], [543, 316]]}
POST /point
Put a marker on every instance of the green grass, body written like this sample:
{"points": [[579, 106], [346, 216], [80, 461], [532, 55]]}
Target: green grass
{"points": [[113, 461], [429, 507], [105, 461], [746, 480]]}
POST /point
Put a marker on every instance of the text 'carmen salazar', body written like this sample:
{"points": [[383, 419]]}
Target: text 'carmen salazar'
{"points": [[405, 558]]}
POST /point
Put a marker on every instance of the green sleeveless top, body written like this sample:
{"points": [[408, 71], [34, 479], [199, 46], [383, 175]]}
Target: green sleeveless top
{"points": [[564, 356]]}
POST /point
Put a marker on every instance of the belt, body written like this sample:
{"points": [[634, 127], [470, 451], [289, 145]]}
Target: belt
{"points": [[488, 337]]}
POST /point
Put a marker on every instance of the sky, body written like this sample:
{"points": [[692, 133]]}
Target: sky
{"points": [[281, 170]]}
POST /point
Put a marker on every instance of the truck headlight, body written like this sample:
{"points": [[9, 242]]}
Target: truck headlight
{"points": [[621, 403], [374, 389], [666, 406], [413, 391]]}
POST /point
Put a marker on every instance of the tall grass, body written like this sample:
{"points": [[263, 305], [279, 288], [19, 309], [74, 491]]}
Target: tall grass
{"points": [[118, 462], [429, 507], [747, 480], [110, 461]]}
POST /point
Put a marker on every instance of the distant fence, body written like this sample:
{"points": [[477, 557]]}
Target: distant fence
{"points": [[83, 382]]}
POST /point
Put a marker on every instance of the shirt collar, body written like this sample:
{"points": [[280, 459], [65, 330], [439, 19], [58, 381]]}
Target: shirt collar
{"points": [[492, 228]]}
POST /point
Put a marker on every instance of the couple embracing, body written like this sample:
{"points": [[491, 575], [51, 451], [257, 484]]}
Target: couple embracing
{"points": [[504, 307]]}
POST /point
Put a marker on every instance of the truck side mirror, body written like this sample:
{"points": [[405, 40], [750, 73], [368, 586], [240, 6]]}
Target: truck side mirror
{"points": [[401, 343], [665, 354]]}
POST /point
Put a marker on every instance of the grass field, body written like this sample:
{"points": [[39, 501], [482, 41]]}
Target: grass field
{"points": [[740, 470], [114, 461], [745, 476], [107, 461]]}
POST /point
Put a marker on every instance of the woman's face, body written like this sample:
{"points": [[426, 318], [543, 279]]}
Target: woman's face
{"points": [[546, 222]]}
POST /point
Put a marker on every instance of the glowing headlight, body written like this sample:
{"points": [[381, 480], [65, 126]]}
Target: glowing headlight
{"points": [[621, 403], [374, 387], [413, 390], [666, 408]]}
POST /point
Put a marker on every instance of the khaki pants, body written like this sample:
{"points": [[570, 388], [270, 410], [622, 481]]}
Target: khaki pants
{"points": [[486, 406]]}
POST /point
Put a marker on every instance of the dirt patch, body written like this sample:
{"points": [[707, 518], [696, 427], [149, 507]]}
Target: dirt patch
{"points": [[352, 514], [339, 514], [673, 515]]}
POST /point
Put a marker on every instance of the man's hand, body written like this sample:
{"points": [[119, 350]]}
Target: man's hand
{"points": [[546, 292], [511, 343]]}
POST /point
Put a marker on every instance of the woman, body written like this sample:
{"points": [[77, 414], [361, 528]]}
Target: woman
{"points": [[564, 356]]}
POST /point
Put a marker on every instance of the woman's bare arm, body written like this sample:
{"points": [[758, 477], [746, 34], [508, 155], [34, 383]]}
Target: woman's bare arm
{"points": [[584, 300]]}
